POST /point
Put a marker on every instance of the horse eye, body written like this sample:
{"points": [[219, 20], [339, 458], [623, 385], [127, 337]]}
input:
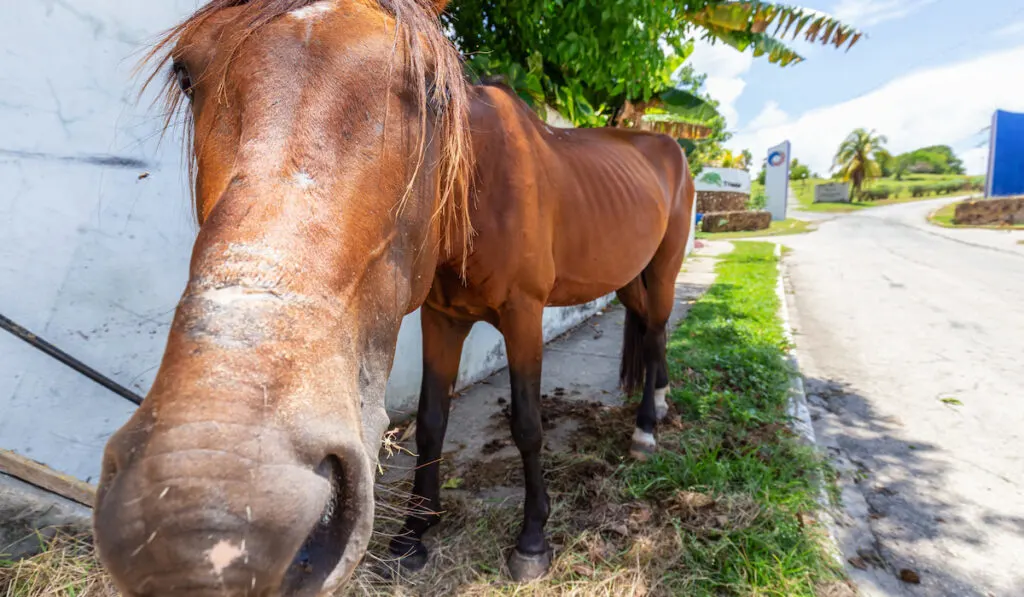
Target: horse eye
{"points": [[183, 78]]}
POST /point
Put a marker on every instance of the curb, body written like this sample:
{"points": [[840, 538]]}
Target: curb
{"points": [[28, 512], [800, 413]]}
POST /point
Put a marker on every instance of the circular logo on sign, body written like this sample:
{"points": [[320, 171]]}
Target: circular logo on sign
{"points": [[776, 158]]}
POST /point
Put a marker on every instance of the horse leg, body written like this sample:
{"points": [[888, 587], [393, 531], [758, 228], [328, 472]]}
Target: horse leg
{"points": [[648, 300], [520, 323], [661, 384], [442, 350]]}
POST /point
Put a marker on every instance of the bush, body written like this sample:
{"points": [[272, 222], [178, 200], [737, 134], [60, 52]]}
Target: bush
{"points": [[918, 190], [757, 202], [875, 194]]}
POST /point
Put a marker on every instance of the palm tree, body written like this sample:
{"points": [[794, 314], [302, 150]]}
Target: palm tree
{"points": [[858, 157]]}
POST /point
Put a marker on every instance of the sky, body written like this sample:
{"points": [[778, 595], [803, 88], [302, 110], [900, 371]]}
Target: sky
{"points": [[929, 72]]}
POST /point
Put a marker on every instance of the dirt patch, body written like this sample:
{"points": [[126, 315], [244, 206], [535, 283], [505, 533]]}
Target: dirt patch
{"points": [[990, 212], [606, 542]]}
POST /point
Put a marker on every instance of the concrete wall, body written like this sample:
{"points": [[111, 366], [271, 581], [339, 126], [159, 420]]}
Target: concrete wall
{"points": [[95, 230]]}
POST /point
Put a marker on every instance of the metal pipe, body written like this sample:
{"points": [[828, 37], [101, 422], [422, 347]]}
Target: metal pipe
{"points": [[68, 360]]}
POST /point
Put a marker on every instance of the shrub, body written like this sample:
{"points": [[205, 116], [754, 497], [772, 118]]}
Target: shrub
{"points": [[757, 202], [918, 190], [875, 194]]}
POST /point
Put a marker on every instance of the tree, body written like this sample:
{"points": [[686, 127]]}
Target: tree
{"points": [[887, 162], [728, 159], [748, 159], [857, 158], [594, 59], [935, 159], [798, 171]]}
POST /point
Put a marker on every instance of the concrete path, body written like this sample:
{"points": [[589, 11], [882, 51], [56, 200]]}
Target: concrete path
{"points": [[911, 340]]}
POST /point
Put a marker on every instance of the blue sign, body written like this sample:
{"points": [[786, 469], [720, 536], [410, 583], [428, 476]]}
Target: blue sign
{"points": [[776, 158], [1006, 155]]}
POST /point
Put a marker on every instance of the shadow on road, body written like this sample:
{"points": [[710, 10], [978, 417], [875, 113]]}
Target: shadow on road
{"points": [[887, 490]]}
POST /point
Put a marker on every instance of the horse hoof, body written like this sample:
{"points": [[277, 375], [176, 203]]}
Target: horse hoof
{"points": [[412, 556], [643, 445], [527, 567]]}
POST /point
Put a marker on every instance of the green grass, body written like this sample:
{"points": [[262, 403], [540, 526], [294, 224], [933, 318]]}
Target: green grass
{"points": [[804, 192], [788, 226], [944, 217], [730, 378]]}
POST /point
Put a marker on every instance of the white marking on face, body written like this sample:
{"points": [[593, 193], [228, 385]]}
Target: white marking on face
{"points": [[303, 180], [223, 554], [643, 438], [313, 11]]}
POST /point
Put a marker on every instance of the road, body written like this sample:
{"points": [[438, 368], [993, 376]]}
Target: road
{"points": [[911, 340]]}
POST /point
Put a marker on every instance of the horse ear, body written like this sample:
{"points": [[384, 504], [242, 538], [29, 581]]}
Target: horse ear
{"points": [[439, 5]]}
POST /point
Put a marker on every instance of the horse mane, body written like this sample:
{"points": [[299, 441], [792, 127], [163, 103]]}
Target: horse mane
{"points": [[444, 87]]}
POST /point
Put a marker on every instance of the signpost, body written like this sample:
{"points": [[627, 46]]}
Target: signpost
{"points": [[1006, 155], [723, 179], [776, 182], [832, 192]]}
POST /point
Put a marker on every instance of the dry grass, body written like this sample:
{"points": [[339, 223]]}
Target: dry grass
{"points": [[606, 542], [67, 566]]}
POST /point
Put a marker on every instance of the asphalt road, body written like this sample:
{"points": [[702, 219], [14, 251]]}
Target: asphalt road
{"points": [[911, 339]]}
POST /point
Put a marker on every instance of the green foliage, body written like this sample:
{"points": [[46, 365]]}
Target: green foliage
{"points": [[876, 194], [857, 158], [798, 171], [935, 159], [588, 58], [758, 201], [886, 162]]}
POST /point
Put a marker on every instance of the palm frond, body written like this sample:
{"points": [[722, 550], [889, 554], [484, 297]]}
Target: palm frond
{"points": [[754, 17]]}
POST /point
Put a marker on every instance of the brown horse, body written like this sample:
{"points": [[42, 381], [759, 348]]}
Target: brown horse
{"points": [[563, 217], [329, 143], [332, 154]]}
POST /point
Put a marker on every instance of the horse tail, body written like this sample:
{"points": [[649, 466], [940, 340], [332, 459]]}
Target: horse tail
{"points": [[632, 369]]}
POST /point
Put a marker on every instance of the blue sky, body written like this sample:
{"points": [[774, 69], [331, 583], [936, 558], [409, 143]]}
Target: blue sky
{"points": [[930, 71]]}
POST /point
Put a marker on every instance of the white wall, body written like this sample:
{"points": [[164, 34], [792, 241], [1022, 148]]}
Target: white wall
{"points": [[92, 257]]}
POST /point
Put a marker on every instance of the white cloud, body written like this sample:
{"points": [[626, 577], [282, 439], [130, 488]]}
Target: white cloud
{"points": [[948, 105], [975, 159], [864, 13], [1011, 30], [771, 115], [724, 67]]}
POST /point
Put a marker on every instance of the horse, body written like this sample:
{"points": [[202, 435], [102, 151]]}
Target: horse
{"points": [[345, 174], [562, 217]]}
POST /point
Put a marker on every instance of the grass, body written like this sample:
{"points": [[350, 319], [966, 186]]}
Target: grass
{"points": [[944, 217], [726, 506], [785, 227], [804, 192]]}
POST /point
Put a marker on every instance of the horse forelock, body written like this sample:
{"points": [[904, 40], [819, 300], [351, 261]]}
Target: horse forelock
{"points": [[444, 85]]}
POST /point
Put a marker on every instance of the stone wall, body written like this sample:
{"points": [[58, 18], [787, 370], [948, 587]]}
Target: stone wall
{"points": [[718, 201], [736, 221], [991, 212]]}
